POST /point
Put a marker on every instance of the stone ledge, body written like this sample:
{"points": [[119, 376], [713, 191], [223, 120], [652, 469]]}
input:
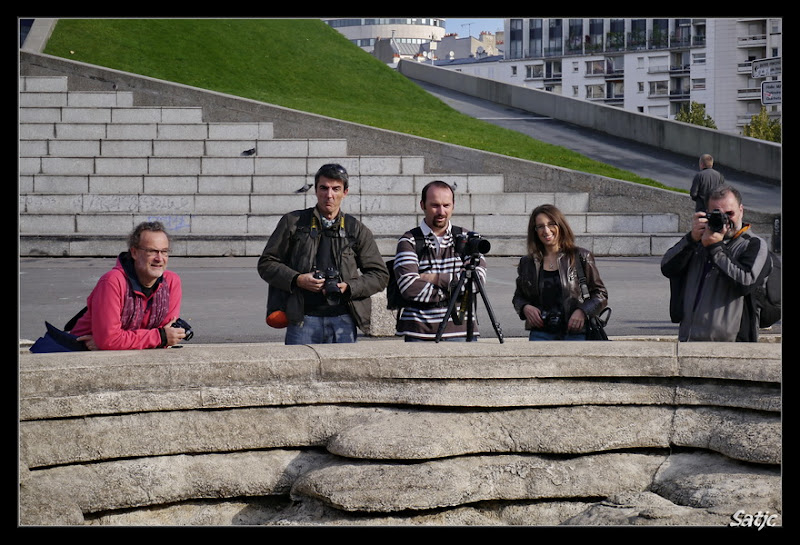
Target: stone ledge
{"points": [[384, 432]]}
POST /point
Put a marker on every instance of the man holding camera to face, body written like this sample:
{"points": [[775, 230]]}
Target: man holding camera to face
{"points": [[322, 266], [426, 277], [715, 267]]}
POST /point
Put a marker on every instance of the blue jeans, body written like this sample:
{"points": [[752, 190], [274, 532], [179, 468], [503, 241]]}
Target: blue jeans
{"points": [[539, 335], [322, 330]]}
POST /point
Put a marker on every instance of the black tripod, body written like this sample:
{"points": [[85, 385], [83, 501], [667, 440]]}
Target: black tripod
{"points": [[471, 279]]}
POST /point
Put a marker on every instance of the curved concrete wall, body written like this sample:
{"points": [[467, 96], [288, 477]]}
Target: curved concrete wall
{"points": [[383, 432], [737, 152]]}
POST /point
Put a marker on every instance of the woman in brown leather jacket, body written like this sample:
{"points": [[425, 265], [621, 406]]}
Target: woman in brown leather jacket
{"points": [[548, 292]]}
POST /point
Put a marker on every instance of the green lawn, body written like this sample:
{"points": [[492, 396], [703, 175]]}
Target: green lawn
{"points": [[301, 64]]}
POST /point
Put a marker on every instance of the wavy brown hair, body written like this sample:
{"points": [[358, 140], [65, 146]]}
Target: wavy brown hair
{"points": [[136, 235], [566, 238]]}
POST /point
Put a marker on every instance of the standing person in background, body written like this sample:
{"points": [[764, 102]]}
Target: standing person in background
{"points": [[548, 290], [705, 182]]}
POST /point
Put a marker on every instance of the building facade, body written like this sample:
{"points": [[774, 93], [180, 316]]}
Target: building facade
{"points": [[365, 31], [653, 66]]}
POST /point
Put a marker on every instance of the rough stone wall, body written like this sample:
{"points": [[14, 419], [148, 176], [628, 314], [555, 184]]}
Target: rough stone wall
{"points": [[388, 433]]}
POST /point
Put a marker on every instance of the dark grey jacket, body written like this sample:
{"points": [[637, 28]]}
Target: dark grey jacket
{"points": [[717, 281], [292, 249], [528, 288], [703, 183]]}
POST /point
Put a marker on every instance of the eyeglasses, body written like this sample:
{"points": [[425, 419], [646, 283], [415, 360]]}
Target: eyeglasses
{"points": [[152, 252], [551, 226]]}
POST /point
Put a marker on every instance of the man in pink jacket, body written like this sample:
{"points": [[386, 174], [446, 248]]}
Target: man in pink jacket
{"points": [[135, 304]]}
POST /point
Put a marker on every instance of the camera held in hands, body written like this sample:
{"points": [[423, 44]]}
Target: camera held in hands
{"points": [[331, 286], [718, 220], [185, 325], [553, 321], [472, 243]]}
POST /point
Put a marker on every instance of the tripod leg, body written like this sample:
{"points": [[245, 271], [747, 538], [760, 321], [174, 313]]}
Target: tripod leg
{"points": [[489, 310], [470, 302], [451, 306]]}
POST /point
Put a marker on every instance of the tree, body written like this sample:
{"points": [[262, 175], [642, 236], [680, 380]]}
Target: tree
{"points": [[763, 128], [696, 115]]}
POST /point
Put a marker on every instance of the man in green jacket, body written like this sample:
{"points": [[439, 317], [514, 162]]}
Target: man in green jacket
{"points": [[323, 266]]}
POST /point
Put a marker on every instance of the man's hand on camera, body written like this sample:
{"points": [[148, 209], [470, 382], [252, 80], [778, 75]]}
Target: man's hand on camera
{"points": [[309, 282], [174, 335], [699, 225]]}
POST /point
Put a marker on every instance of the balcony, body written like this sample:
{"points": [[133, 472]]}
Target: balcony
{"points": [[756, 40], [750, 93]]}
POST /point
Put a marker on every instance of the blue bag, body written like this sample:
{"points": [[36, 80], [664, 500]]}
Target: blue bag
{"points": [[55, 340]]}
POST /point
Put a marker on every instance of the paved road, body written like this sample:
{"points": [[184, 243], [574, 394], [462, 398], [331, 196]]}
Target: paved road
{"points": [[224, 298], [671, 169]]}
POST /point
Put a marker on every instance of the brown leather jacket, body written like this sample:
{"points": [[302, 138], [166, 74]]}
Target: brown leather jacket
{"points": [[528, 287]]}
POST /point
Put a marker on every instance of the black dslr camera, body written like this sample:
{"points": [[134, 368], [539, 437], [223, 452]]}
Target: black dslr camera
{"points": [[553, 321], [185, 325], [718, 220], [331, 286], [472, 243]]}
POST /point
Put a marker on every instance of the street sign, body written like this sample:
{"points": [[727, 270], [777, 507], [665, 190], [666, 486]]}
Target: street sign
{"points": [[770, 92], [763, 68]]}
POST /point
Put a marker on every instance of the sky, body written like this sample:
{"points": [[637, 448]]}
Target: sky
{"points": [[476, 25]]}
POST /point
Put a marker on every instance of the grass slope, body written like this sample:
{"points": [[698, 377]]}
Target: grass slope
{"points": [[301, 64]]}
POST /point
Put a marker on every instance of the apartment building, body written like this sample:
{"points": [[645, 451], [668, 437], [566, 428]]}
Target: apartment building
{"points": [[654, 66]]}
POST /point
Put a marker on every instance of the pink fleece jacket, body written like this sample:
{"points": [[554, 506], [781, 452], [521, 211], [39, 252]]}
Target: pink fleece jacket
{"points": [[103, 321]]}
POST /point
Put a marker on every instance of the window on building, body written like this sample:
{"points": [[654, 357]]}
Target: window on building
{"points": [[595, 42], [514, 39], [575, 33], [659, 88], [553, 69], [535, 34], [534, 71], [595, 91], [595, 67], [555, 38]]}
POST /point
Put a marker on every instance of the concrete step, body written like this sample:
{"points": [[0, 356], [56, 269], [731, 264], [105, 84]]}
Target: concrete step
{"points": [[93, 165], [179, 147], [151, 130], [33, 84]]}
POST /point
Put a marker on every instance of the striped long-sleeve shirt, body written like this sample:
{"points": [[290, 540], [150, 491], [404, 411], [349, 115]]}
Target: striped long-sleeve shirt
{"points": [[429, 300]]}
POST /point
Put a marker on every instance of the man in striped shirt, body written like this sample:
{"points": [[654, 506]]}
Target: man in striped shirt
{"points": [[425, 280]]}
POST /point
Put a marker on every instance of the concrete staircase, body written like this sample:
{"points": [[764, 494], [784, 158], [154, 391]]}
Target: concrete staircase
{"points": [[92, 165]]}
